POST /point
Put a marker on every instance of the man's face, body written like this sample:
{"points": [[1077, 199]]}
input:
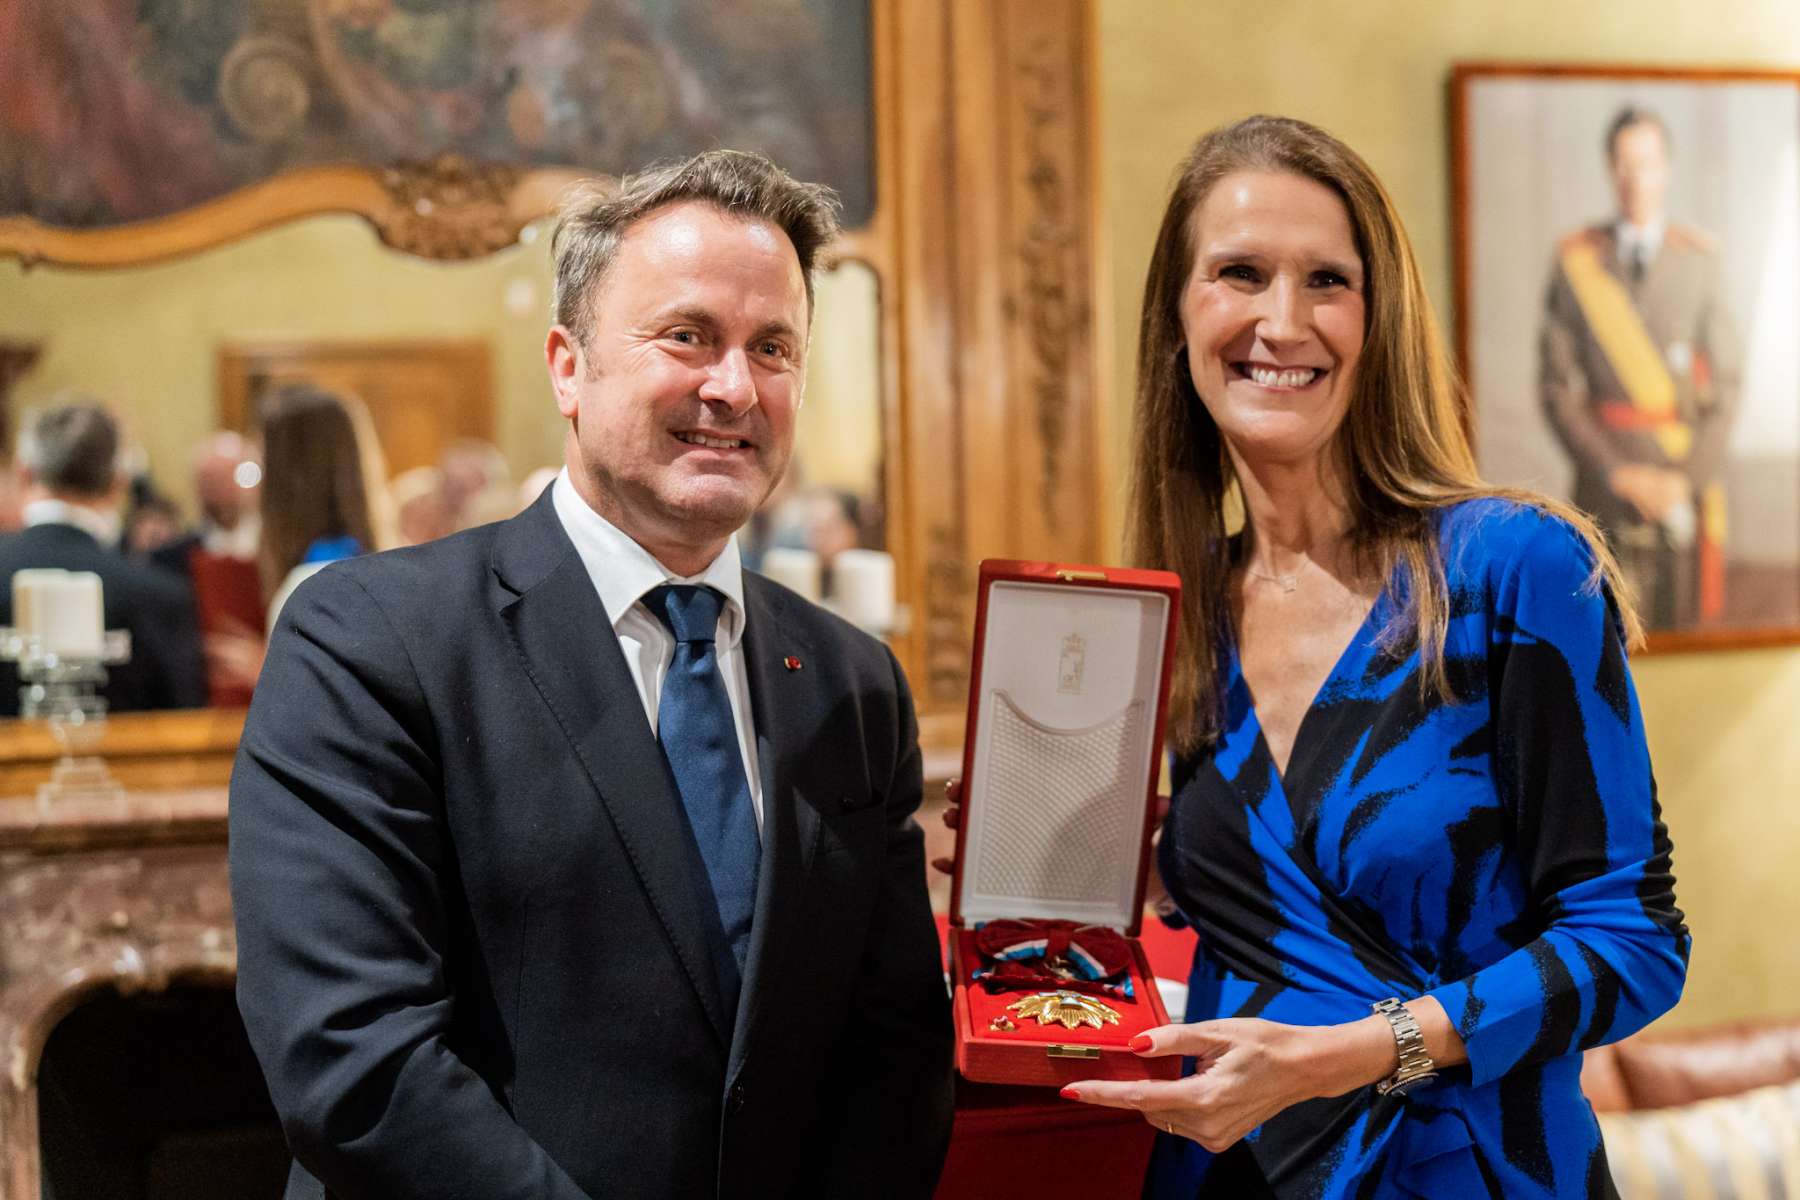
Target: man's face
{"points": [[681, 403], [1640, 172], [220, 481]]}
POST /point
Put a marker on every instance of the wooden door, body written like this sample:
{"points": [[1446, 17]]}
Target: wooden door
{"points": [[421, 395]]}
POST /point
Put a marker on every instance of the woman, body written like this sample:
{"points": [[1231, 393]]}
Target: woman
{"points": [[1410, 763], [323, 491]]}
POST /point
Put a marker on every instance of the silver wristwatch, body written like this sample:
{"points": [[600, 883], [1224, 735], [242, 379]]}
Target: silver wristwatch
{"points": [[1415, 1066]]}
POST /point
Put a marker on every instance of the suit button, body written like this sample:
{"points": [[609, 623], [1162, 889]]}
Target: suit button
{"points": [[738, 1099]]}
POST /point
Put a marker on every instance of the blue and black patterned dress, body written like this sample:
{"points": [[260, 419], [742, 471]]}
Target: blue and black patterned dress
{"points": [[1504, 854]]}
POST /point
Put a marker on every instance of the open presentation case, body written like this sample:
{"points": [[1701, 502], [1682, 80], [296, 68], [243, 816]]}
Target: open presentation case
{"points": [[1059, 777]]}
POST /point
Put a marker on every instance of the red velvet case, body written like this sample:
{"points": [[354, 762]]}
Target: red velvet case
{"points": [[1066, 704]]}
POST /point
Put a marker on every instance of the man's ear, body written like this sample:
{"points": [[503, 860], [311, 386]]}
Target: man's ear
{"points": [[566, 363]]}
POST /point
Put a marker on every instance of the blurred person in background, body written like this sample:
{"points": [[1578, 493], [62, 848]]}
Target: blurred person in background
{"points": [[153, 522], [534, 485], [323, 493], [218, 555], [226, 479], [71, 490], [12, 519], [474, 471], [422, 509]]}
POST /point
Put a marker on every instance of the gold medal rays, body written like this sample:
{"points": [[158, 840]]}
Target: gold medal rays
{"points": [[1068, 1009]]}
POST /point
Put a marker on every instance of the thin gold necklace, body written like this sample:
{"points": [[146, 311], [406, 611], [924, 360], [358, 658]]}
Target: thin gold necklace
{"points": [[1287, 582]]}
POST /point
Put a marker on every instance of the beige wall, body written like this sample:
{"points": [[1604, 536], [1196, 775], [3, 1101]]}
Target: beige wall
{"points": [[146, 339], [1723, 727]]}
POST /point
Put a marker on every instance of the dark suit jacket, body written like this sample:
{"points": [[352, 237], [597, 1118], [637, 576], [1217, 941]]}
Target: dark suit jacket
{"points": [[166, 669], [472, 954]]}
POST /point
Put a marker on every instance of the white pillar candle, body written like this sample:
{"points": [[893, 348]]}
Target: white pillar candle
{"points": [[862, 588], [795, 569], [62, 609]]}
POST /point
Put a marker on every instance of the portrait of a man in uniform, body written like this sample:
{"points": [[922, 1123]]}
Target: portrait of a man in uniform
{"points": [[1628, 287], [1639, 371]]}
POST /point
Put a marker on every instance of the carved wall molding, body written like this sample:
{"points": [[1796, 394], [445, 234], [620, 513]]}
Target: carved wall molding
{"points": [[449, 208], [948, 587], [1051, 312], [995, 229]]}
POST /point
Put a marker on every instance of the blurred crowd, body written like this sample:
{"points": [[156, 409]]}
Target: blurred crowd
{"points": [[307, 485]]}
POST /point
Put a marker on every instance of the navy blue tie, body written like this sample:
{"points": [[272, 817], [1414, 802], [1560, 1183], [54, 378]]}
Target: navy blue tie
{"points": [[699, 739]]}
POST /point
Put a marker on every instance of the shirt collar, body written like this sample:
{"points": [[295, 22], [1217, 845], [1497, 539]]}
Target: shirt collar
{"points": [[1649, 237], [624, 571], [102, 527], [240, 541]]}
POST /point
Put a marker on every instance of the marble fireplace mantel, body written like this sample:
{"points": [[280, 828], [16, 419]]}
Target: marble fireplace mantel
{"points": [[131, 897]]}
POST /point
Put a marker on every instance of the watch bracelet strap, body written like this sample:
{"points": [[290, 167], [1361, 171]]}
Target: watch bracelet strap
{"points": [[1409, 1040]]}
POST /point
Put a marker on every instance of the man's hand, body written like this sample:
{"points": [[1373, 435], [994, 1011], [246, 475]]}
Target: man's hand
{"points": [[952, 820], [1653, 491], [234, 653]]}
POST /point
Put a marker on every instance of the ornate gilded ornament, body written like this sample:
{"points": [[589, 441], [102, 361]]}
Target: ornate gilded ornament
{"points": [[1068, 1009], [449, 208]]}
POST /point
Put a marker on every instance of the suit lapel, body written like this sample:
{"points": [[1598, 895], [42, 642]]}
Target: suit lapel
{"points": [[566, 643], [784, 704]]}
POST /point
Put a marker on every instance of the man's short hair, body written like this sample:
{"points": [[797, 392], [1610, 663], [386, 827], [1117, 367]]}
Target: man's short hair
{"points": [[72, 446], [594, 218], [1633, 114]]}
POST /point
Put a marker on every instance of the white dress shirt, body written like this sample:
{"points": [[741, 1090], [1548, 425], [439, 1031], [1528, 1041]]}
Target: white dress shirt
{"points": [[1639, 243], [623, 572]]}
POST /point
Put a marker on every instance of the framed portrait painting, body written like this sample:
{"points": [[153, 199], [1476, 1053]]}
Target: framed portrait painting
{"points": [[1628, 300]]}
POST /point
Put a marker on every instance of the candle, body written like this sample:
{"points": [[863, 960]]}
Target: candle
{"points": [[796, 569], [862, 588], [62, 609]]}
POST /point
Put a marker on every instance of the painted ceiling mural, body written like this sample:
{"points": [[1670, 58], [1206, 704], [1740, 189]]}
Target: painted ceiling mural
{"points": [[124, 110]]}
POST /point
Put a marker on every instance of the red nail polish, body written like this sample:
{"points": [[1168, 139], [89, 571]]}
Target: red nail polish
{"points": [[1140, 1042], [1070, 1093]]}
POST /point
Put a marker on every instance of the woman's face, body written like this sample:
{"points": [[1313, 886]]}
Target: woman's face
{"points": [[1273, 313]]}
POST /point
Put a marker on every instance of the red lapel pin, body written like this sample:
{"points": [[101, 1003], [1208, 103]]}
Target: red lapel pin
{"points": [[791, 663]]}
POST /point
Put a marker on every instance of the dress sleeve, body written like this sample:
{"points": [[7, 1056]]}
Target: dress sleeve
{"points": [[1573, 771]]}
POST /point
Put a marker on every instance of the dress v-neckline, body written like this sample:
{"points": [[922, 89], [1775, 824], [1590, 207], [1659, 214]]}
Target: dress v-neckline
{"points": [[1282, 773]]}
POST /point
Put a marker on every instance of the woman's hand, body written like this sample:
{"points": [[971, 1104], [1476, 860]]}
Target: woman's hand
{"points": [[1245, 1072]]}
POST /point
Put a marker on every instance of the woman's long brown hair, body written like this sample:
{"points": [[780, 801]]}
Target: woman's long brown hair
{"points": [[1404, 445], [322, 477]]}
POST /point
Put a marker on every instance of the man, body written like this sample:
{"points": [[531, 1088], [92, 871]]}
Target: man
{"points": [[226, 474], [218, 557], [494, 939], [69, 481], [1639, 371]]}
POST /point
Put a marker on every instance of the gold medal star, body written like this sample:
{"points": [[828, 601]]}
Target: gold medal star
{"points": [[1068, 1008]]}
